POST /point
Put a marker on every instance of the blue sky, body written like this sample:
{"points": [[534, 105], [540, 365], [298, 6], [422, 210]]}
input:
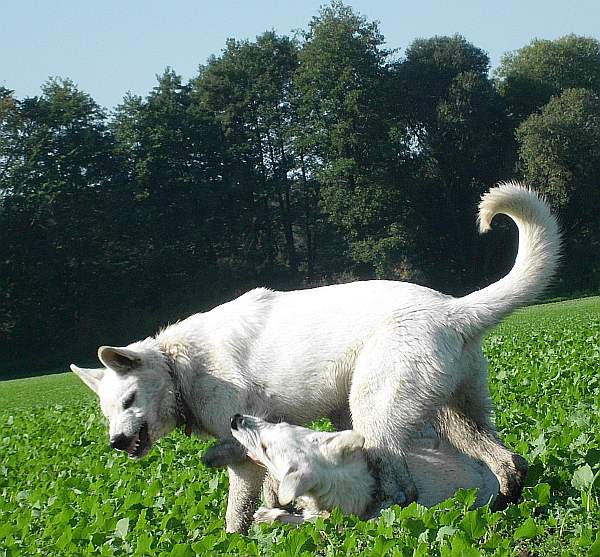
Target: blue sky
{"points": [[110, 47]]}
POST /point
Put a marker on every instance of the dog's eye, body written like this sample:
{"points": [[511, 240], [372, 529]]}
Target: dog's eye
{"points": [[129, 401]]}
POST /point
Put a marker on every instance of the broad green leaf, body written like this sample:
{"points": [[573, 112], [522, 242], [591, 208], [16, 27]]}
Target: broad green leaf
{"points": [[122, 528], [459, 547], [473, 524], [583, 477], [541, 493], [183, 550], [65, 538], [445, 531], [594, 550], [144, 543], [529, 529]]}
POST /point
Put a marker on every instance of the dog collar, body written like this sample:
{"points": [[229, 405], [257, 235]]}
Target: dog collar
{"points": [[184, 414]]}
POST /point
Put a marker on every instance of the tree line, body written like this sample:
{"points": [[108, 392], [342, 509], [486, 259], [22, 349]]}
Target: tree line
{"points": [[285, 162]]}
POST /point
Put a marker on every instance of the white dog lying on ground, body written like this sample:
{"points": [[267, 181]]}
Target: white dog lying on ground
{"points": [[318, 470], [379, 357]]}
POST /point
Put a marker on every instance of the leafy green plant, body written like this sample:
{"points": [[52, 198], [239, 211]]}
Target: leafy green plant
{"points": [[63, 491]]}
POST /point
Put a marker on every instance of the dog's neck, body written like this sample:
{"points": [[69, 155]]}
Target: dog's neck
{"points": [[349, 486], [185, 418]]}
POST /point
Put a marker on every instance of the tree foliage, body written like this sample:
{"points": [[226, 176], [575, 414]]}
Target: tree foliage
{"points": [[460, 143], [559, 155], [247, 91], [529, 77], [341, 92], [56, 178], [284, 162]]}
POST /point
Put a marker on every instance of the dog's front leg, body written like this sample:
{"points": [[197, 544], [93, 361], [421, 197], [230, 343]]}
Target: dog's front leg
{"points": [[245, 481]]}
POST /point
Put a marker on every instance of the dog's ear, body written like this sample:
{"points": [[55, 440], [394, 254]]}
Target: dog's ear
{"points": [[91, 377], [294, 484], [121, 360], [345, 443]]}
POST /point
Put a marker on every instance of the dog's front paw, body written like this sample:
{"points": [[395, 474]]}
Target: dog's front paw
{"points": [[268, 516], [224, 453]]}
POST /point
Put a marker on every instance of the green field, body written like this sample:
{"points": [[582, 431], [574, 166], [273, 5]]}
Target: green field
{"points": [[64, 492]]}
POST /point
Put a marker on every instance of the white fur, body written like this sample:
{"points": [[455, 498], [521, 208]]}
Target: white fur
{"points": [[330, 470], [379, 357]]}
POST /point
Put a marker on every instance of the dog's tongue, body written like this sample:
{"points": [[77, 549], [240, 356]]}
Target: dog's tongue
{"points": [[253, 458]]}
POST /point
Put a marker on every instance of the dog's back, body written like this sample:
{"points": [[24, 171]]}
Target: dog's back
{"points": [[439, 470]]}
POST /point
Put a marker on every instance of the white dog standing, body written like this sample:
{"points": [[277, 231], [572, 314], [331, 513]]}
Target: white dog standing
{"points": [[378, 357], [319, 470]]}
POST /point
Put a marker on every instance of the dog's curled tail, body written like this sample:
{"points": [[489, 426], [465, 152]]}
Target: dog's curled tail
{"points": [[534, 267]]}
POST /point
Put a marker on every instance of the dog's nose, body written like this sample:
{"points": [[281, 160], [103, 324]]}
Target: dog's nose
{"points": [[120, 442], [236, 421]]}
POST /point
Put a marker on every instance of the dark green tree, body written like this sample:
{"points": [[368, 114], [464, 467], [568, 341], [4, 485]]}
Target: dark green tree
{"points": [[460, 145], [246, 90], [530, 76], [172, 231], [559, 154], [428, 70], [341, 98], [55, 161]]}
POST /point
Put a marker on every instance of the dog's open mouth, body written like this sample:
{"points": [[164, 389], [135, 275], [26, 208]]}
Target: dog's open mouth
{"points": [[140, 444], [254, 458]]}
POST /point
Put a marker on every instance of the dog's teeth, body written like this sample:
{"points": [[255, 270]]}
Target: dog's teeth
{"points": [[134, 444]]}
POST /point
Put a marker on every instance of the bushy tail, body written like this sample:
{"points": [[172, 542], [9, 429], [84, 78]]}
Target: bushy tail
{"points": [[534, 267]]}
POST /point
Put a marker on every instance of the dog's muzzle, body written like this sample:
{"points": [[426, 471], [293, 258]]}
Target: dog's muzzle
{"points": [[120, 442], [136, 445]]}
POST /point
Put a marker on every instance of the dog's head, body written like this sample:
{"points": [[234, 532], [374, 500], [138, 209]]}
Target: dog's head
{"points": [[300, 459], [136, 395]]}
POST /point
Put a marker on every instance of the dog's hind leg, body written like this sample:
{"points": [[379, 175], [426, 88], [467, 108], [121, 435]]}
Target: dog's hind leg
{"points": [[465, 422], [402, 375], [245, 481], [341, 419]]}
